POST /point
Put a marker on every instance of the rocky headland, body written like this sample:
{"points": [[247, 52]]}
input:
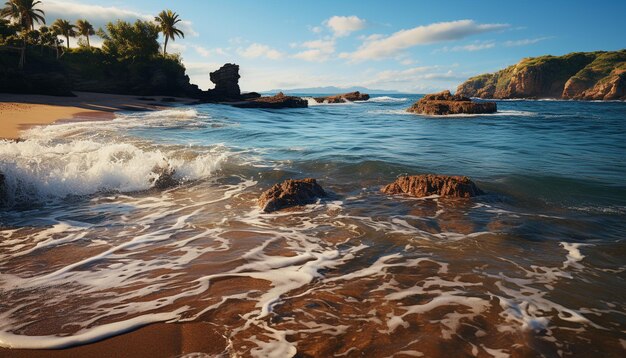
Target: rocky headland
{"points": [[444, 103], [581, 75]]}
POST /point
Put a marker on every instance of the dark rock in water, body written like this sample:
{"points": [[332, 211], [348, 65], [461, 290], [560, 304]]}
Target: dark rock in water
{"points": [[342, 98], [226, 81], [168, 99], [277, 101], [444, 103], [250, 95], [431, 184], [164, 177], [290, 193]]}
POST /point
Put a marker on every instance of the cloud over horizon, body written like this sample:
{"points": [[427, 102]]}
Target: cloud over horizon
{"points": [[376, 47]]}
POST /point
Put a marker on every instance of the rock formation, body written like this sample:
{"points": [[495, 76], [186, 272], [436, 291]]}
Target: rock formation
{"points": [[429, 184], [290, 193], [444, 103], [342, 98], [582, 75], [277, 101], [226, 81]]}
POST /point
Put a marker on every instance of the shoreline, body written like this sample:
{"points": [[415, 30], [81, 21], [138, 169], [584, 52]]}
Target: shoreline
{"points": [[19, 112]]}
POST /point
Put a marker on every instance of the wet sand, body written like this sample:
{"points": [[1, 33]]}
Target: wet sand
{"points": [[19, 112], [156, 340]]}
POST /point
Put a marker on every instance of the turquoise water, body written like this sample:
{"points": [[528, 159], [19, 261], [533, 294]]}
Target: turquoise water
{"points": [[534, 267]]}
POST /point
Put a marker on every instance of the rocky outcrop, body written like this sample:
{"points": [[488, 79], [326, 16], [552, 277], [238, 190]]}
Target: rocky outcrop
{"points": [[444, 103], [290, 193], [343, 98], [275, 102], [226, 81], [429, 184], [582, 75]]}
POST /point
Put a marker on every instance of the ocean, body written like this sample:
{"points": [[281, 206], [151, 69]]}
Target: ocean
{"points": [[536, 267]]}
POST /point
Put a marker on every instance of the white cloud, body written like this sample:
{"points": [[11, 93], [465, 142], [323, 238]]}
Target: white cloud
{"points": [[525, 42], [344, 25], [316, 29], [416, 79], [471, 47], [205, 52], [257, 50], [98, 15], [316, 51], [380, 48]]}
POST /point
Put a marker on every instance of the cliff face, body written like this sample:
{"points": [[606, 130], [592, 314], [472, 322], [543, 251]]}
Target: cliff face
{"points": [[582, 75]]}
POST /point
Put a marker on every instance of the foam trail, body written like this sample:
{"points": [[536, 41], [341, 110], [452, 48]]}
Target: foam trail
{"points": [[85, 336]]}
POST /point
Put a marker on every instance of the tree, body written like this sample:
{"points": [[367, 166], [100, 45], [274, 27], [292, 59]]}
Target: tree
{"points": [[64, 28], [167, 21], [84, 28], [26, 14], [130, 42]]}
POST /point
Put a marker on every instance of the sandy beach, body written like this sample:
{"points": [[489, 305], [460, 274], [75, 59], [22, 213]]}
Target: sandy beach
{"points": [[19, 111]]}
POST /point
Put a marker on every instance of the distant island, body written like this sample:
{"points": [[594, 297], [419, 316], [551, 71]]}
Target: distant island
{"points": [[332, 90], [580, 75]]}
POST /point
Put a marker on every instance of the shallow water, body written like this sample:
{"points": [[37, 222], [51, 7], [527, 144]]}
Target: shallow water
{"points": [[535, 267]]}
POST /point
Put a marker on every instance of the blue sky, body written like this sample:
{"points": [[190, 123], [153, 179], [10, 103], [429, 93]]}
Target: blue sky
{"points": [[409, 46]]}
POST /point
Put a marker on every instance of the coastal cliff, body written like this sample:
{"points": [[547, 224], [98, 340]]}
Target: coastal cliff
{"points": [[581, 75]]}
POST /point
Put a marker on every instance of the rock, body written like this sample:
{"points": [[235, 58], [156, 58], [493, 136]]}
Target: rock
{"points": [[290, 193], [430, 184], [163, 177], [444, 103], [250, 95], [226, 81], [342, 98], [580, 75], [277, 101]]}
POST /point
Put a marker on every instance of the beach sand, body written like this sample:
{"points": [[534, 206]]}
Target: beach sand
{"points": [[19, 112]]}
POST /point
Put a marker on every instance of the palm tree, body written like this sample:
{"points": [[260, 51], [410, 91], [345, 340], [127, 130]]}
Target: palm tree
{"points": [[63, 27], [167, 21], [84, 28], [25, 13]]}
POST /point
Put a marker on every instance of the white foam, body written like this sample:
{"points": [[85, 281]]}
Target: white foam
{"points": [[45, 169], [384, 99]]}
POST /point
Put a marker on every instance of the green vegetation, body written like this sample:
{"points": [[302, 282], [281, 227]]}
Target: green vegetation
{"points": [[130, 60]]}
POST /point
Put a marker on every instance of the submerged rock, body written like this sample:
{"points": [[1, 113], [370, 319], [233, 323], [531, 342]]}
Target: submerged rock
{"points": [[342, 98], [444, 103], [164, 177], [291, 192], [277, 101], [430, 184]]}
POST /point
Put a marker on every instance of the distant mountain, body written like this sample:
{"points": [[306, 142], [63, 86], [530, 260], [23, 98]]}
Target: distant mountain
{"points": [[332, 90]]}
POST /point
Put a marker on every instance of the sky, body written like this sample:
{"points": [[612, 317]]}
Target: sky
{"points": [[407, 46]]}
